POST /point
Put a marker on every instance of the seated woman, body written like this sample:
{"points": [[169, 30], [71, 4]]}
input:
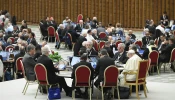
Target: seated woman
{"points": [[149, 49]]}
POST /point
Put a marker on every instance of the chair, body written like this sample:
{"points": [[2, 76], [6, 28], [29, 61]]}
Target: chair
{"points": [[41, 76], [95, 44], [27, 81], [140, 77], [172, 58], [18, 66], [51, 32], [110, 79], [156, 41], [101, 44], [102, 35], [139, 43], [79, 17], [82, 79], [12, 39], [118, 42], [72, 43], [154, 56], [9, 47]]}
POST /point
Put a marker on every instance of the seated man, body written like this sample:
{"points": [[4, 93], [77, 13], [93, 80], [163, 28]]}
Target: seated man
{"points": [[109, 50], [121, 54], [79, 26], [52, 77], [127, 42], [131, 65], [102, 63], [146, 39], [83, 59], [165, 53], [149, 49], [90, 49], [29, 63], [131, 35], [134, 47]]}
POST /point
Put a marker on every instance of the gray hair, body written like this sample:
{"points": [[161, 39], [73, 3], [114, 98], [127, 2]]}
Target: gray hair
{"points": [[9, 41], [122, 45], [30, 47], [151, 42], [133, 47], [45, 50], [83, 34]]}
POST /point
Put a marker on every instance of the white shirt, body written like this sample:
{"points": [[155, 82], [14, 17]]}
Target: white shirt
{"points": [[89, 37], [161, 29], [132, 65]]}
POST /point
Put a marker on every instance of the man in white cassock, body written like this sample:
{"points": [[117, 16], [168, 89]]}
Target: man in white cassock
{"points": [[131, 65]]}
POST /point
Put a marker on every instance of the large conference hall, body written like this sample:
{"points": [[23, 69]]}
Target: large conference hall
{"points": [[87, 49]]}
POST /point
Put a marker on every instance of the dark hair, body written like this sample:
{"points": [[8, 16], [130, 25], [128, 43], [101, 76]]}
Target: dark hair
{"points": [[103, 52], [83, 57], [88, 31], [133, 47], [33, 34], [38, 48]]}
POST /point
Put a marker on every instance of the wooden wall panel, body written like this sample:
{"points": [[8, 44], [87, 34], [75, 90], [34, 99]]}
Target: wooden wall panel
{"points": [[130, 13]]}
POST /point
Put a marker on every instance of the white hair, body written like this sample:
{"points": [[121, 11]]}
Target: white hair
{"points": [[84, 43], [61, 25], [122, 45], [45, 50], [94, 30], [80, 20], [94, 18]]}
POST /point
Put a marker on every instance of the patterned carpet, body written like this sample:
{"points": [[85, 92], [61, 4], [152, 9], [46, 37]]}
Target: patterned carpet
{"points": [[167, 77]]}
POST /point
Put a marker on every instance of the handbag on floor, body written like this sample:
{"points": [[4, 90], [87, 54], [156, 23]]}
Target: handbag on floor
{"points": [[54, 93], [123, 92]]}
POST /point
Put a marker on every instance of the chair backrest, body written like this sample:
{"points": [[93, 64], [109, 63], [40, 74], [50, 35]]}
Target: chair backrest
{"points": [[102, 35], [41, 73], [12, 39], [79, 17], [156, 42], [9, 47], [142, 70], [51, 31], [57, 37], [82, 76], [111, 76], [95, 44], [118, 42], [101, 44], [154, 56], [18, 64], [23, 70], [172, 58], [138, 42]]}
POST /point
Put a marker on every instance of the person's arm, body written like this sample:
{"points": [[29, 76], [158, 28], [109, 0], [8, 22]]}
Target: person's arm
{"points": [[52, 66]]}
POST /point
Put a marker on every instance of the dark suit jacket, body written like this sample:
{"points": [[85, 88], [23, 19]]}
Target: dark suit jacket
{"points": [[78, 44], [166, 18], [74, 35], [166, 52], [37, 55], [82, 63], [132, 36], [146, 52], [102, 64], [43, 28], [92, 52], [127, 43], [123, 57], [79, 28], [110, 52], [54, 24], [29, 64], [145, 41], [33, 41], [47, 62]]}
